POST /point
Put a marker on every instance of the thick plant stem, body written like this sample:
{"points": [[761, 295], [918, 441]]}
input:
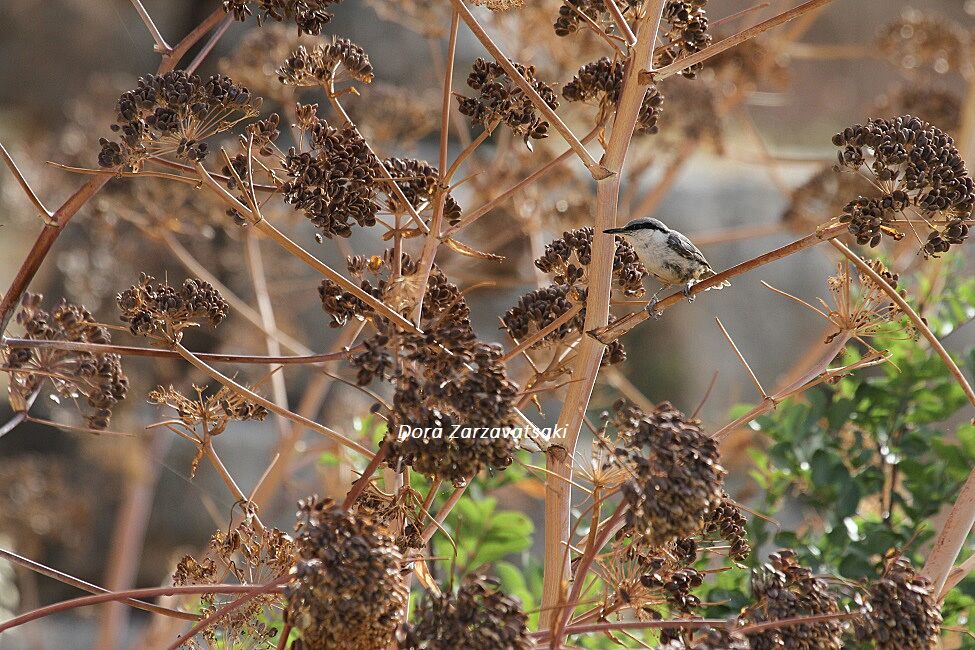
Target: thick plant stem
{"points": [[558, 488]]}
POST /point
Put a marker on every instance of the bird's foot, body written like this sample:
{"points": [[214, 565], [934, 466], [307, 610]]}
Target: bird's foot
{"points": [[687, 292], [652, 308]]}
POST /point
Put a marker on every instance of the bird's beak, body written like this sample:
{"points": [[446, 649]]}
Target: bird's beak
{"points": [[615, 231]]}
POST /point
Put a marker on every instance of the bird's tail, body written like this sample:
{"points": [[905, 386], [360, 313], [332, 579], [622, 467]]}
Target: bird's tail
{"points": [[718, 287]]}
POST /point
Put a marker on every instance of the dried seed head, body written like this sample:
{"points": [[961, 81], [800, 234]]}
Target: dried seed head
{"points": [[478, 617], [568, 258], [309, 15], [686, 32], [538, 309], [601, 82], [334, 183], [783, 589], [347, 590], [160, 310], [96, 378], [727, 522], [420, 183], [711, 639], [570, 18], [173, 114], [499, 99], [919, 42], [676, 483], [922, 177], [824, 195], [934, 104], [900, 610], [326, 64], [255, 60], [692, 115]]}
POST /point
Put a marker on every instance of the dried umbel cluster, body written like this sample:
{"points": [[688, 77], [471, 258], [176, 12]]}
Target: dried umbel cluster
{"points": [[478, 617], [173, 114], [921, 174], [309, 15], [601, 82], [252, 556], [646, 579], [499, 99], [574, 14], [900, 610], [160, 310], [685, 32], [257, 57], [335, 182], [922, 41], [825, 193], [934, 104], [420, 183], [867, 310], [92, 380], [783, 589], [677, 481], [567, 259], [347, 590], [326, 64], [727, 523], [442, 378], [205, 416]]}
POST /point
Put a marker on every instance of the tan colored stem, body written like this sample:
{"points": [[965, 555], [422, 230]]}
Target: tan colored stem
{"points": [[161, 46], [598, 171], [558, 487], [24, 185]]}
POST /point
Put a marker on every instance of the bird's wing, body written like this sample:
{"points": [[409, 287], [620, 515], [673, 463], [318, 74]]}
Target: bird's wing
{"points": [[683, 247]]}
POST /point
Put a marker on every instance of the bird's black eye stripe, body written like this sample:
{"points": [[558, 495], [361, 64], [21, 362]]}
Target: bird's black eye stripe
{"points": [[645, 225]]}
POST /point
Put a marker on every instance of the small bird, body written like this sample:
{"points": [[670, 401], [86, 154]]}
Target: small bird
{"points": [[668, 256]]}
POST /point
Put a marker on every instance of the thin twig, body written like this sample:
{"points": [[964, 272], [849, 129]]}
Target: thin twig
{"points": [[210, 44], [620, 21], [741, 357], [46, 214], [161, 46]]}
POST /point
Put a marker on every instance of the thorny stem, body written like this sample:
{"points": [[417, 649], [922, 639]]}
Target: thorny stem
{"points": [[161, 46], [631, 320], [598, 171], [60, 576], [152, 592], [961, 518], [129, 350], [268, 404], [558, 496]]}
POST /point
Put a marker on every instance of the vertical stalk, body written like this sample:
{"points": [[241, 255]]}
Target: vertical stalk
{"points": [[558, 490]]}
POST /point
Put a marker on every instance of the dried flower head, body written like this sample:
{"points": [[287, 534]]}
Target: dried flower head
{"points": [[568, 259], [309, 15], [934, 104], [252, 556], [783, 589], [326, 64], [334, 183], [347, 590], [822, 197], [173, 114], [157, 309], [921, 41], [539, 308], [571, 12], [900, 610], [686, 32], [499, 99], [865, 311], [420, 184], [478, 617], [94, 377], [677, 482], [920, 175], [601, 82], [204, 416], [727, 523]]}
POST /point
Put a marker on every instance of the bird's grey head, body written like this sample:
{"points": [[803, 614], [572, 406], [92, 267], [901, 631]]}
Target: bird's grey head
{"points": [[639, 226]]}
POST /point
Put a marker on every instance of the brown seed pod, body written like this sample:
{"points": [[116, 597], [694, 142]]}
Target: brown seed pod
{"points": [[900, 610], [309, 15], [347, 590], [160, 310]]}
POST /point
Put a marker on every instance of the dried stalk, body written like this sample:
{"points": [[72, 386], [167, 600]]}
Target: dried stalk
{"points": [[24, 185], [558, 496], [161, 46]]}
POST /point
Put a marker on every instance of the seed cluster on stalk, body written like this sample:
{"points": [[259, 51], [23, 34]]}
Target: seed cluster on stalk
{"points": [[571, 12], [94, 377], [325, 64], [478, 617], [441, 378], [309, 15], [921, 175], [420, 183], [677, 481], [499, 99], [685, 32], [347, 590], [173, 113], [158, 309], [601, 81], [900, 609], [711, 639], [783, 589]]}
